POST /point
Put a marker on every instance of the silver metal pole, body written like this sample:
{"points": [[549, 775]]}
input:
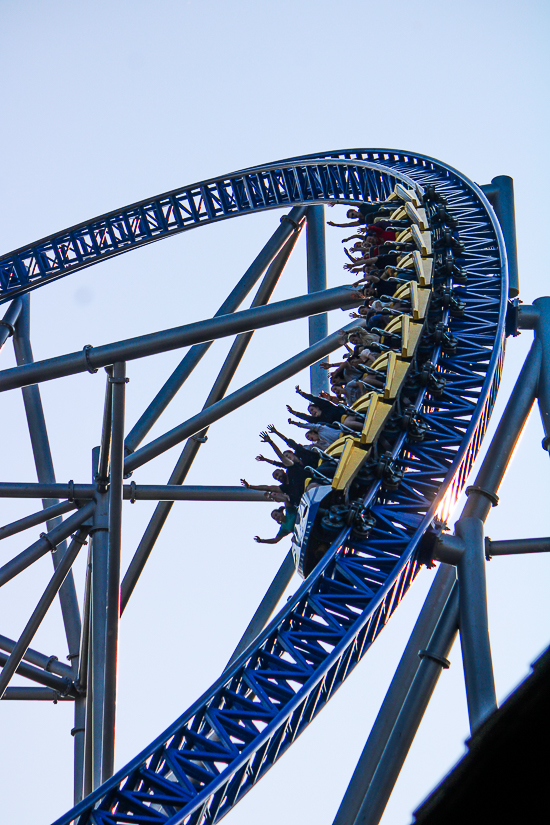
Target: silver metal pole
{"points": [[481, 496], [45, 544], [500, 193], [50, 663], [474, 623], [43, 677], [35, 694], [514, 546], [131, 492], [100, 549], [45, 471], [410, 717], [232, 402], [392, 705], [40, 610], [92, 358], [317, 282], [36, 518], [118, 380]]}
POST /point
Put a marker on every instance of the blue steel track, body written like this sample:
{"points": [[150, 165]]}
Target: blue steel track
{"points": [[217, 750]]}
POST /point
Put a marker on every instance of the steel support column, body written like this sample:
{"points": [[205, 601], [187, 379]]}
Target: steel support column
{"points": [[317, 282], [50, 663], [118, 380], [131, 492], [474, 623], [395, 697], [100, 550], [542, 333], [43, 677], [410, 717], [500, 194]]}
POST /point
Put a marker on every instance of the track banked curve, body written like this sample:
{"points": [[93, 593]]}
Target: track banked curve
{"points": [[214, 753]]}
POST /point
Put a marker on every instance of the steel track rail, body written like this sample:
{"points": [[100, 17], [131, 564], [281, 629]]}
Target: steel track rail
{"points": [[214, 753], [142, 223]]}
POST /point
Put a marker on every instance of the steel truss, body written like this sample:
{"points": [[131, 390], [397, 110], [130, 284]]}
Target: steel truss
{"points": [[283, 673]]}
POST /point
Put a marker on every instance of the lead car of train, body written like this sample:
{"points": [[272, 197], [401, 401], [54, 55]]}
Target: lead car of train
{"points": [[335, 498]]}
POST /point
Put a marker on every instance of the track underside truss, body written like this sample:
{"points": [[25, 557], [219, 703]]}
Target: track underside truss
{"points": [[211, 756]]}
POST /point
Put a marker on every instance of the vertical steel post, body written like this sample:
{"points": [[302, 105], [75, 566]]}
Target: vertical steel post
{"points": [[100, 550], [316, 282], [400, 685], [78, 733], [118, 380], [474, 623], [82, 730], [542, 333], [87, 662], [500, 194], [414, 707]]}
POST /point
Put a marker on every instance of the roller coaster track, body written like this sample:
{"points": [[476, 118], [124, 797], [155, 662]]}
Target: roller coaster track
{"points": [[197, 769]]}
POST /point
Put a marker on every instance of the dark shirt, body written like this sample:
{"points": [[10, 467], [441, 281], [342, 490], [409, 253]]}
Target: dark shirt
{"points": [[305, 454], [330, 412], [295, 482], [368, 210]]}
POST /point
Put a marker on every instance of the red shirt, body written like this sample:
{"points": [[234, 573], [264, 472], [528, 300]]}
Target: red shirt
{"points": [[382, 234]]}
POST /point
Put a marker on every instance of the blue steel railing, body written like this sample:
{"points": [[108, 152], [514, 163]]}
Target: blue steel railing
{"points": [[204, 763]]}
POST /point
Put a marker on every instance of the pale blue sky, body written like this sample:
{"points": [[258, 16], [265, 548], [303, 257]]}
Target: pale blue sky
{"points": [[110, 102]]}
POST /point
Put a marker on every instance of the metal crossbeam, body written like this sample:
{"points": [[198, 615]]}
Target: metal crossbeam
{"points": [[92, 358]]}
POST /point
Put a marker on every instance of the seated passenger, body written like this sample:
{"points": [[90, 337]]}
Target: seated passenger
{"points": [[319, 434], [292, 482], [303, 453], [363, 212], [286, 517]]}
